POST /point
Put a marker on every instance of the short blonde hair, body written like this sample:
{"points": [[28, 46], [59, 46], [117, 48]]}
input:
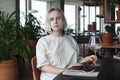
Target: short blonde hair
{"points": [[47, 23]]}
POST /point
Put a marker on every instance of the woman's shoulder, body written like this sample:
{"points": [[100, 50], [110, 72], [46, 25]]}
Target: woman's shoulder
{"points": [[43, 38], [69, 37], [49, 38]]}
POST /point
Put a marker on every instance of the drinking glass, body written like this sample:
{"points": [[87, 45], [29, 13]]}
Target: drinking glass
{"points": [[95, 43]]}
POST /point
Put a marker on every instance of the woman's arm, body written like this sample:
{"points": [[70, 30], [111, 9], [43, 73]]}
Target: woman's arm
{"points": [[91, 58], [54, 70], [51, 69]]}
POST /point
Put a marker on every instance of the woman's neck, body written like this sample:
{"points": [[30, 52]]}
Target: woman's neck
{"points": [[57, 34]]}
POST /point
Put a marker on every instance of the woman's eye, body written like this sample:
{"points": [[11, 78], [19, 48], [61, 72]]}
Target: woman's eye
{"points": [[51, 19], [59, 18]]}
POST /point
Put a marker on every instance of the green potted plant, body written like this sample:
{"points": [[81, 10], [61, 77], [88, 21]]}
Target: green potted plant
{"points": [[12, 43], [110, 29], [107, 37], [33, 30]]}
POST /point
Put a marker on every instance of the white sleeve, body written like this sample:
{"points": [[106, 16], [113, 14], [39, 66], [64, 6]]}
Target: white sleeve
{"points": [[76, 46], [77, 49], [41, 53]]}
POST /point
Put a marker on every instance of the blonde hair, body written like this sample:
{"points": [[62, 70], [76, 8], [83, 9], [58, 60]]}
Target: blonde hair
{"points": [[47, 23]]}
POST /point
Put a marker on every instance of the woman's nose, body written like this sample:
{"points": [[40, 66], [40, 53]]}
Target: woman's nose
{"points": [[55, 20]]}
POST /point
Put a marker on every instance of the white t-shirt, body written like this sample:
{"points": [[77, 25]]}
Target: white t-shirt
{"points": [[57, 51]]}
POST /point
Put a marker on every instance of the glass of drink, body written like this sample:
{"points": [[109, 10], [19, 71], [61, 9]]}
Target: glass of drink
{"points": [[95, 43]]}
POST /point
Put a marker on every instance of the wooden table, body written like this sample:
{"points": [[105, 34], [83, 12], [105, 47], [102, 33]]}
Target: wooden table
{"points": [[112, 46]]}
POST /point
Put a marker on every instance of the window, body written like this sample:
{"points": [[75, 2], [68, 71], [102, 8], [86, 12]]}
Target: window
{"points": [[117, 25], [22, 11], [40, 7], [69, 12], [88, 15]]}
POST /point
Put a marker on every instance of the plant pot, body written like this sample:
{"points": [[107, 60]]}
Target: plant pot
{"points": [[118, 7], [9, 70], [107, 39], [32, 43]]}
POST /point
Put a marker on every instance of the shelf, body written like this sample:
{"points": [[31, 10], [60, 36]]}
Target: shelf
{"points": [[100, 16], [87, 3], [111, 46], [83, 15], [110, 11], [112, 21], [92, 31]]}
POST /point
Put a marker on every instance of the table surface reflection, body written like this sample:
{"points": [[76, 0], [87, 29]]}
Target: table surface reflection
{"points": [[109, 70]]}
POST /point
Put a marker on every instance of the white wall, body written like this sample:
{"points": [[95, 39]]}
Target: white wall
{"points": [[7, 6]]}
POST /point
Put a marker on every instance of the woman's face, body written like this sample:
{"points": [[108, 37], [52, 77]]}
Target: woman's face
{"points": [[56, 21]]}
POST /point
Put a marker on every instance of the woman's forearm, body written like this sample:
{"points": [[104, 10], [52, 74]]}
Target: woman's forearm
{"points": [[51, 69], [91, 58]]}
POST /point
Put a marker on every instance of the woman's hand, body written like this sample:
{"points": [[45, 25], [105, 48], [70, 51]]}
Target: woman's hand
{"points": [[76, 64], [91, 58]]}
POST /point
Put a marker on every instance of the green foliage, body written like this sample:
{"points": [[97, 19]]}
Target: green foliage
{"points": [[118, 1], [110, 29], [68, 31], [32, 28], [12, 40]]}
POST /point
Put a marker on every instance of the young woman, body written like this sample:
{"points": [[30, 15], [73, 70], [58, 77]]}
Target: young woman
{"points": [[57, 51]]}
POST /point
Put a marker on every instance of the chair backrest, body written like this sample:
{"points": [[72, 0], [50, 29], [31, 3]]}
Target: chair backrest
{"points": [[35, 70]]}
